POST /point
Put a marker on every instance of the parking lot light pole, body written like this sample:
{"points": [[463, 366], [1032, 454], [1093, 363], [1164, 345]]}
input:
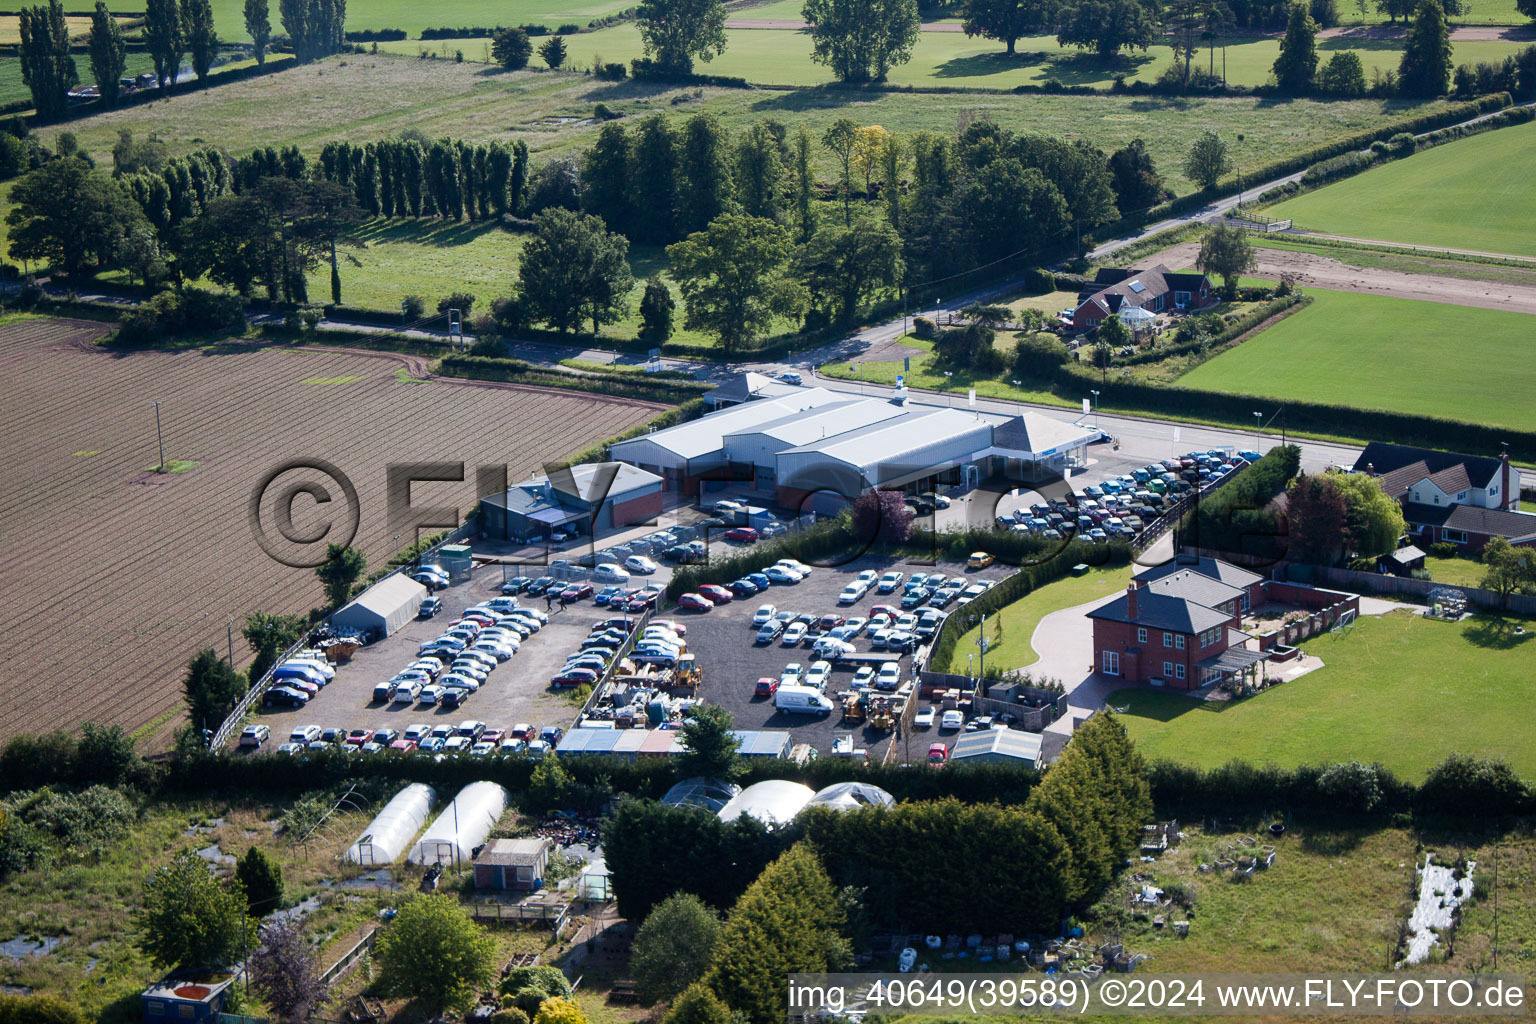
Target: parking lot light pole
{"points": [[947, 376], [1095, 395], [1258, 418]]}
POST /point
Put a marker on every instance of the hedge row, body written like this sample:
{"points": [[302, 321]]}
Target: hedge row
{"points": [[520, 372], [830, 543], [380, 35], [649, 70]]}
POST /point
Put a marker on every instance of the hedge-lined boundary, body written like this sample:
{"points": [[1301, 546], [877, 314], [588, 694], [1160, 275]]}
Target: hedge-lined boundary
{"points": [[517, 371], [1274, 309]]}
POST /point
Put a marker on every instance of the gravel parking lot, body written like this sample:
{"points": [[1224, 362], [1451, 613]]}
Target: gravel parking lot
{"points": [[733, 662], [516, 691]]}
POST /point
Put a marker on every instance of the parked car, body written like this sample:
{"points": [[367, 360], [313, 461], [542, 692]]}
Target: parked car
{"points": [[789, 377], [794, 634], [767, 686], [769, 631], [284, 697], [574, 677], [429, 607], [576, 592], [889, 677], [952, 720], [610, 572], [742, 587], [716, 593], [853, 593], [254, 735], [924, 718], [695, 602], [779, 574], [938, 753], [640, 564], [742, 535], [979, 560]]}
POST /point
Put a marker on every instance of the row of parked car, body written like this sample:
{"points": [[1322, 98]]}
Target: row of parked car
{"points": [[919, 589], [468, 737], [298, 679], [832, 635], [784, 572], [616, 596], [454, 665], [660, 643]]}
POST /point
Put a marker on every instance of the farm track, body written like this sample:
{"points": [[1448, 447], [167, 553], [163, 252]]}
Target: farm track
{"points": [[118, 575]]}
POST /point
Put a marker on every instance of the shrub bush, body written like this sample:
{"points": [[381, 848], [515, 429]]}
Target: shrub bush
{"points": [[173, 313], [1039, 281], [1443, 549], [611, 72], [924, 328]]}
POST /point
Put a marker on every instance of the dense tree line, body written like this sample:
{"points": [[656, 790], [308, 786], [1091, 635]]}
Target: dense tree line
{"points": [[416, 177]]}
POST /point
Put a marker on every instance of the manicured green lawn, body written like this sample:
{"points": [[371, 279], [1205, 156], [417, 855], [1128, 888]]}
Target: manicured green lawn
{"points": [[1459, 572], [1476, 193], [1020, 618], [1386, 353], [1399, 689]]}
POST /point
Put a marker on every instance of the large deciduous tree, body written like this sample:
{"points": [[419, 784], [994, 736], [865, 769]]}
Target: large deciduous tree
{"points": [[1226, 251], [1207, 160], [653, 177], [1107, 26], [760, 172], [46, 66], [675, 32], [1296, 65], [706, 189], [1425, 68], [1510, 570], [109, 54], [1009, 207], [733, 279], [188, 919], [861, 40], [1006, 20], [432, 951], [673, 948], [1316, 518], [66, 215], [1134, 178], [165, 38], [844, 267], [1373, 518], [511, 48], [1342, 76], [605, 185], [574, 269], [842, 139]]}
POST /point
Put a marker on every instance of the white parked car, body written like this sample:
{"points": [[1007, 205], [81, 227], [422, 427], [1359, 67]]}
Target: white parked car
{"points": [[498, 649], [818, 674], [952, 720], [853, 593], [779, 574], [764, 613], [794, 634], [923, 719], [610, 573], [795, 565], [640, 564], [254, 735], [890, 581], [889, 677]]}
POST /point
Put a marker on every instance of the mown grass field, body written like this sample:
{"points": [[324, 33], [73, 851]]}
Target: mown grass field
{"points": [[1402, 260], [951, 59], [1399, 689], [1020, 618], [412, 17], [12, 87], [359, 98], [1374, 352], [1476, 193]]}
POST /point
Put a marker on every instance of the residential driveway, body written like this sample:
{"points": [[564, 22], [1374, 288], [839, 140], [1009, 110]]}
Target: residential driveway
{"points": [[1064, 641]]}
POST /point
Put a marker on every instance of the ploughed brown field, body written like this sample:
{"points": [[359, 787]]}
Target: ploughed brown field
{"points": [[114, 575]]}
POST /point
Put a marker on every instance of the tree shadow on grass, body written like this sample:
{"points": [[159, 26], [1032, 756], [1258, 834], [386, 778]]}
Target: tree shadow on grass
{"points": [[997, 62], [424, 231], [1496, 633], [1161, 706], [830, 96], [1092, 69], [1333, 843]]}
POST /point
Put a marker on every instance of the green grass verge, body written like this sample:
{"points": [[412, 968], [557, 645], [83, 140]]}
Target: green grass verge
{"points": [[1474, 193], [1020, 619], [1374, 352], [1400, 689]]}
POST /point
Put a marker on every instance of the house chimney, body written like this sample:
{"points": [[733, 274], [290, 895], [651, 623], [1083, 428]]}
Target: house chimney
{"points": [[1130, 600], [1370, 469], [1505, 501]]}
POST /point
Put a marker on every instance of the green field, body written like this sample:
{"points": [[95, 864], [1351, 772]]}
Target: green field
{"points": [[1020, 618], [1375, 352], [952, 60], [1400, 689], [412, 17], [12, 87], [1476, 193]]}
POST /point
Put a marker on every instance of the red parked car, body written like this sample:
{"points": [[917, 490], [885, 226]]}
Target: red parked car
{"points": [[576, 591], [766, 687], [884, 609], [716, 593], [742, 535], [695, 602], [575, 677], [831, 620]]}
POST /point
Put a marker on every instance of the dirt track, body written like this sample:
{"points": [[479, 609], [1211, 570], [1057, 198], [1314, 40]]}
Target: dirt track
{"points": [[1310, 269]]}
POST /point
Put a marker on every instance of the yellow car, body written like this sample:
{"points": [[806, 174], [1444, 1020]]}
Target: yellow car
{"points": [[979, 560]]}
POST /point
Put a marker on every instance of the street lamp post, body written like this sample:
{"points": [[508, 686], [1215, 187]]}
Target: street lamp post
{"points": [[1258, 419], [947, 375], [1095, 395], [159, 436]]}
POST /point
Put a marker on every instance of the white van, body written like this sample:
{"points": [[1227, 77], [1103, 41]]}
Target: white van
{"points": [[805, 700]]}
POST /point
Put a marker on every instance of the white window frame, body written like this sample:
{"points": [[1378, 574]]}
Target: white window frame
{"points": [[1141, 634], [1167, 639], [1178, 671], [1178, 641], [1167, 669], [1453, 536], [1181, 303], [1110, 663]]}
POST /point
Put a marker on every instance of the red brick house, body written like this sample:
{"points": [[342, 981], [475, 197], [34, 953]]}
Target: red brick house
{"points": [[1155, 289], [1178, 625], [1465, 500]]}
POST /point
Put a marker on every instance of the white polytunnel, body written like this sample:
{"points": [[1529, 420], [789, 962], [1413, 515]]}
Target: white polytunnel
{"points": [[849, 796], [773, 802], [393, 828], [464, 824]]}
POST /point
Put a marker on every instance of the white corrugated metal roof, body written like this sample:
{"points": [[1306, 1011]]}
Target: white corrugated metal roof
{"points": [[707, 433], [1008, 742], [826, 421], [385, 596], [868, 446]]}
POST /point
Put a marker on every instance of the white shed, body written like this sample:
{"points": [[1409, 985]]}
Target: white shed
{"points": [[393, 828], [463, 825], [383, 607]]}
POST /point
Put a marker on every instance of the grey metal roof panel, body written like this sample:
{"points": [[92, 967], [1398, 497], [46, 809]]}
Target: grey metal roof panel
{"points": [[1011, 742], [706, 434], [1157, 611], [1215, 568], [1197, 587]]}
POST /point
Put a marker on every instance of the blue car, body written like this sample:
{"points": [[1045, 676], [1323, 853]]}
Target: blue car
{"points": [[759, 580], [1249, 455], [743, 588]]}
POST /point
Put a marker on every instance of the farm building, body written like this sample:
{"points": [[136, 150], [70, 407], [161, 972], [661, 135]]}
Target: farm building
{"points": [[512, 864], [590, 498], [383, 608], [817, 447], [1116, 291], [1449, 498], [774, 802], [997, 746]]}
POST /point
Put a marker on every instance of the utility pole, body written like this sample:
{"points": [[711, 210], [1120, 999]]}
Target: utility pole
{"points": [[1258, 419], [159, 436], [231, 629]]}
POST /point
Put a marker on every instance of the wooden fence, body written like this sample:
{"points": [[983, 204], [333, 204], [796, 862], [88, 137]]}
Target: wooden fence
{"points": [[1417, 591], [351, 957]]}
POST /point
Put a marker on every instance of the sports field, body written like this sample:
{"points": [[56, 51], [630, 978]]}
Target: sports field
{"points": [[1476, 193], [1399, 689], [1375, 352]]}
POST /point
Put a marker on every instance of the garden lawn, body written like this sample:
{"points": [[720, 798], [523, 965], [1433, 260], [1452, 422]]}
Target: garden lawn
{"points": [[1374, 352], [1475, 193], [1458, 572], [1399, 689], [1020, 618]]}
